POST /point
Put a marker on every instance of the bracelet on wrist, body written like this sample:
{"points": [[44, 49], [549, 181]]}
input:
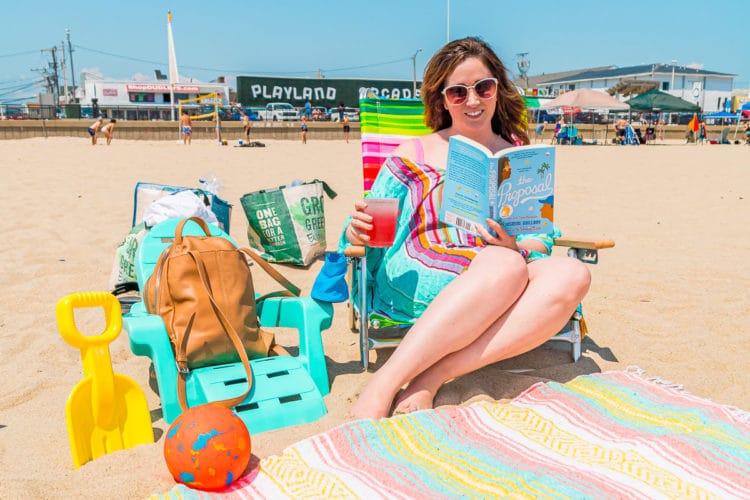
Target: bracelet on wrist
{"points": [[524, 253]]}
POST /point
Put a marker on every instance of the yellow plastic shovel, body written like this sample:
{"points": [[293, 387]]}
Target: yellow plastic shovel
{"points": [[105, 411]]}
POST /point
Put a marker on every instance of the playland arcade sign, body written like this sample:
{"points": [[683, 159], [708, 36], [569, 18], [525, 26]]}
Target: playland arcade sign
{"points": [[328, 92]]}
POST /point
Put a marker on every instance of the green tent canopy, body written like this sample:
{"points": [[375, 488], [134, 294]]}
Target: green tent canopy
{"points": [[656, 100]]}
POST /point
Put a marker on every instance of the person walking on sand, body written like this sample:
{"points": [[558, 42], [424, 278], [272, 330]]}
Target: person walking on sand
{"points": [[472, 300], [94, 129], [187, 128], [303, 129], [108, 130], [346, 128]]}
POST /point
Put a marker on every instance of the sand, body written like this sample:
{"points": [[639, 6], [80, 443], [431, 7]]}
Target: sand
{"points": [[671, 297]]}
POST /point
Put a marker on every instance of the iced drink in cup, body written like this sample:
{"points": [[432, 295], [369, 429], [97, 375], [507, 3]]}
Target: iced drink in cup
{"points": [[384, 212]]}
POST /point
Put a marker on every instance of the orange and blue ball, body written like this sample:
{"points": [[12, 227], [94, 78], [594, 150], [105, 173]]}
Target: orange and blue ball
{"points": [[208, 447]]}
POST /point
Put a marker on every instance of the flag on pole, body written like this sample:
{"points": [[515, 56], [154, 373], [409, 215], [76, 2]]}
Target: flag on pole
{"points": [[174, 76], [693, 125]]}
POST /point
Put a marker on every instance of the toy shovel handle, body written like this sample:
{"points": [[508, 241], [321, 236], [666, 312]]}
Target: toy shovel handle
{"points": [[66, 322]]}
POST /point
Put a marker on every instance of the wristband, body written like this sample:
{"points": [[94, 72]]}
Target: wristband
{"points": [[524, 253]]}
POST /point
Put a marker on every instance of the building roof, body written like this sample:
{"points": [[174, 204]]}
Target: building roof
{"points": [[536, 80], [641, 70]]}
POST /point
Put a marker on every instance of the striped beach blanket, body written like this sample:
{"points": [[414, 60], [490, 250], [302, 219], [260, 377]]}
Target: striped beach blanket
{"points": [[609, 435], [384, 124]]}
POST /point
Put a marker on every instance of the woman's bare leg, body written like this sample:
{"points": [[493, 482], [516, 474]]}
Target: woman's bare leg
{"points": [[556, 287], [460, 313]]}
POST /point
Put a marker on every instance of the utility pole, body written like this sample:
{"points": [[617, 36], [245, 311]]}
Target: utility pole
{"points": [[448, 22], [523, 66], [65, 76], [414, 72], [56, 82], [72, 72]]}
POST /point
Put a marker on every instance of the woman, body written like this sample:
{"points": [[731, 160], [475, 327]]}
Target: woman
{"points": [[474, 301], [108, 130]]}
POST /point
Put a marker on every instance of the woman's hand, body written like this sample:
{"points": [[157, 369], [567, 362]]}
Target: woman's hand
{"points": [[359, 225], [502, 239]]}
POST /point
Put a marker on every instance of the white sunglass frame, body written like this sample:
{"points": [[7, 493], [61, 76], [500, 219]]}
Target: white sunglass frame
{"points": [[468, 88]]}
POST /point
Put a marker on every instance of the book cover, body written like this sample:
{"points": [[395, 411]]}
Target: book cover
{"points": [[514, 186]]}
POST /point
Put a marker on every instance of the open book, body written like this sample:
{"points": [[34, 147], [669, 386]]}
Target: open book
{"points": [[514, 186]]}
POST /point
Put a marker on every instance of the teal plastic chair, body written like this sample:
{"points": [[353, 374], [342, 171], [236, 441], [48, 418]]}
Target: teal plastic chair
{"points": [[287, 390]]}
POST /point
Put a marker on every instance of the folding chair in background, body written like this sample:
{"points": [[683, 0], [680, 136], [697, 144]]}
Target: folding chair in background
{"points": [[384, 125]]}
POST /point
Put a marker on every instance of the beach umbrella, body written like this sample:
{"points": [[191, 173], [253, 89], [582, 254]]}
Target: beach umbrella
{"points": [[588, 99], [656, 100], [722, 115]]}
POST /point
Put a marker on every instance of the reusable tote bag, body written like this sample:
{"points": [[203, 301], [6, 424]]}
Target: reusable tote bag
{"points": [[287, 224]]}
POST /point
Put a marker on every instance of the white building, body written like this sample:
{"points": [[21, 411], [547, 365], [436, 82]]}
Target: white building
{"points": [[711, 90], [142, 100]]}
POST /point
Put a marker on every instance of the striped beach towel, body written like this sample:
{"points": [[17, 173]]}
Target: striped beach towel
{"points": [[384, 124], [609, 435]]}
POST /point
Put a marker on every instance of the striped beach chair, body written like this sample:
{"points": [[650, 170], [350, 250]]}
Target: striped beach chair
{"points": [[384, 124]]}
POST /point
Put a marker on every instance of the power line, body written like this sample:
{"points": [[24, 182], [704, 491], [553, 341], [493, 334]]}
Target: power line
{"points": [[19, 53], [225, 70]]}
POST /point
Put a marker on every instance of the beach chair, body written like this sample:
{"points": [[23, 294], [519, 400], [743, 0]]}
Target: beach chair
{"points": [[384, 125], [631, 137], [286, 390]]}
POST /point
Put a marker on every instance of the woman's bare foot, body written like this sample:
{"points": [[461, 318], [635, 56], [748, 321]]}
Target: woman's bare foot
{"points": [[414, 399], [373, 402]]}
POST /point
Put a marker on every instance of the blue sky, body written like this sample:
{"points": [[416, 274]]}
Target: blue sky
{"points": [[354, 38]]}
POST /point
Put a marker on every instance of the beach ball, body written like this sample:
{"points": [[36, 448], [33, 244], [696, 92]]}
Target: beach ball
{"points": [[207, 447]]}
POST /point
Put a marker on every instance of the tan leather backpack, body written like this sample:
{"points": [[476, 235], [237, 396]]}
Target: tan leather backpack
{"points": [[202, 288]]}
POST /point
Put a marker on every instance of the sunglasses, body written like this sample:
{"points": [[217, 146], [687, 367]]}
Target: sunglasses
{"points": [[485, 89]]}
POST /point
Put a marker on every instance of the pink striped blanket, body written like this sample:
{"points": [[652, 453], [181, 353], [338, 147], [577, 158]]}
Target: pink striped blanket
{"points": [[608, 435]]}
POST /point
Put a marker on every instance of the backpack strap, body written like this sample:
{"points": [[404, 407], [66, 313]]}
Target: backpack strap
{"points": [[293, 289], [181, 357]]}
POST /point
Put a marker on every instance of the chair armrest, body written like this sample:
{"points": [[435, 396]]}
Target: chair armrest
{"points": [[587, 244], [309, 317], [584, 250], [355, 251]]}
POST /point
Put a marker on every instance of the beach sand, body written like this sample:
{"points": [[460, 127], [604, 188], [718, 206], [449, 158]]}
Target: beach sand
{"points": [[671, 298]]}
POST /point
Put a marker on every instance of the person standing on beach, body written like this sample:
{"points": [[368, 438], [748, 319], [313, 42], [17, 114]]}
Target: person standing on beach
{"points": [[346, 128], [94, 129], [303, 130], [217, 120], [187, 128], [660, 128], [246, 126], [472, 300], [108, 130]]}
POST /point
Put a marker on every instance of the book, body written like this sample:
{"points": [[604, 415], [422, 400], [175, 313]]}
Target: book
{"points": [[514, 186]]}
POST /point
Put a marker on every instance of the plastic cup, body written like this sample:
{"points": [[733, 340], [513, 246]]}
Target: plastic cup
{"points": [[384, 212]]}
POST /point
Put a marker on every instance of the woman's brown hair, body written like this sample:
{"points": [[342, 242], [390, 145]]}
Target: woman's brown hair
{"points": [[510, 113]]}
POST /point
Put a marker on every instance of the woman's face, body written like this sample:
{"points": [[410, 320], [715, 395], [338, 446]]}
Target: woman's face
{"points": [[474, 114]]}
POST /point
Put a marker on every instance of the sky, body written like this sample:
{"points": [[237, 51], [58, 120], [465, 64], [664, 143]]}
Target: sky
{"points": [[361, 39]]}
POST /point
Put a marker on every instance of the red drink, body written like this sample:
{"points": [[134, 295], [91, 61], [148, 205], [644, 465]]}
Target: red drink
{"points": [[384, 212]]}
